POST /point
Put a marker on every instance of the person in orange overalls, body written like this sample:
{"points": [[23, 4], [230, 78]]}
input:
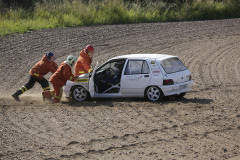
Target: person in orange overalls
{"points": [[47, 64], [59, 79], [83, 64]]}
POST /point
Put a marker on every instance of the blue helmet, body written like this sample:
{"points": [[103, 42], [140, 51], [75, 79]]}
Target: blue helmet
{"points": [[49, 55]]}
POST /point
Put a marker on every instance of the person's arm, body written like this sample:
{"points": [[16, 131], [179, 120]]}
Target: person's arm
{"points": [[67, 73], [87, 66], [53, 67]]}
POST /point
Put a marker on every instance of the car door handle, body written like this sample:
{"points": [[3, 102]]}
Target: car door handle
{"points": [[146, 75]]}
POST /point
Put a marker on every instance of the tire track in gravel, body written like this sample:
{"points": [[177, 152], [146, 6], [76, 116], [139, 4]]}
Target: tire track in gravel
{"points": [[127, 125], [99, 142], [101, 129], [30, 124], [93, 149], [231, 58], [221, 64], [109, 129], [20, 138], [205, 68], [236, 68], [58, 124], [214, 74], [48, 132], [131, 137], [209, 70]]}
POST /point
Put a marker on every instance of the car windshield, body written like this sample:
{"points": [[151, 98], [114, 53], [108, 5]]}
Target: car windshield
{"points": [[114, 65], [173, 65]]}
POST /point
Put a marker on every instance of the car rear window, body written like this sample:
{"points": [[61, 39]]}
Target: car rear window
{"points": [[173, 65]]}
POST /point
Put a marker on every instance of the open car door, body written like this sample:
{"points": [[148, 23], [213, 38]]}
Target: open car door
{"points": [[91, 82], [107, 77]]}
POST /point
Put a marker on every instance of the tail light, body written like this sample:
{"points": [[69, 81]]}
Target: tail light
{"points": [[168, 82], [190, 77]]}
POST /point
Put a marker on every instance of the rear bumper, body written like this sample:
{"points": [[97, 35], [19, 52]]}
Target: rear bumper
{"points": [[177, 88]]}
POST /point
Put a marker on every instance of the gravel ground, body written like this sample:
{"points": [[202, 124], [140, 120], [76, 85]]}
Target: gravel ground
{"points": [[203, 125]]}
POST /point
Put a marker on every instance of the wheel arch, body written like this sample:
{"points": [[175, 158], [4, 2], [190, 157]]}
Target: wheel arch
{"points": [[78, 85]]}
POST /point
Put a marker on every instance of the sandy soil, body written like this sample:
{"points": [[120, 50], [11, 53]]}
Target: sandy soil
{"points": [[203, 125]]}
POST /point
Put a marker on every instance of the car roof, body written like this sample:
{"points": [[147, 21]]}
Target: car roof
{"points": [[145, 56]]}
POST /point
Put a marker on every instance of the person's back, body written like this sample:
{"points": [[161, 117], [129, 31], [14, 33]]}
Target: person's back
{"points": [[83, 64], [43, 67], [63, 74]]}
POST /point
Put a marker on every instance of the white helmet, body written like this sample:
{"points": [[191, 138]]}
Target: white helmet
{"points": [[71, 59]]}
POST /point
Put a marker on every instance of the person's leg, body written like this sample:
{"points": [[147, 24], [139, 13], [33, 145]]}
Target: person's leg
{"points": [[47, 93], [58, 93], [44, 83], [24, 88]]}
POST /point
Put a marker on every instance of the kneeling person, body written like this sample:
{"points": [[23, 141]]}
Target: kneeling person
{"points": [[59, 79]]}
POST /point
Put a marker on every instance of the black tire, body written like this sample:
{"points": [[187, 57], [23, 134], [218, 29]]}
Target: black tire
{"points": [[154, 93], [79, 93], [181, 95]]}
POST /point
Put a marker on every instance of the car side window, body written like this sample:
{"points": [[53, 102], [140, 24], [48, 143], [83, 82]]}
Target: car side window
{"points": [[137, 67]]}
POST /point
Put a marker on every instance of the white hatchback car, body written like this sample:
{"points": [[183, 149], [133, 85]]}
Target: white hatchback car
{"points": [[136, 75]]}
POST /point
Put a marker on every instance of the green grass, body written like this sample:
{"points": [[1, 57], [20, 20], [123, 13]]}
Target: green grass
{"points": [[71, 13]]}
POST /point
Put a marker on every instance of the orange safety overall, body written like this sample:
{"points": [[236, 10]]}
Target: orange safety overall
{"points": [[83, 64], [38, 71], [59, 79]]}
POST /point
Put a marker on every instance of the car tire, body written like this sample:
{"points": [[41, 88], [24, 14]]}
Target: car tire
{"points": [[79, 93], [181, 95], [154, 93]]}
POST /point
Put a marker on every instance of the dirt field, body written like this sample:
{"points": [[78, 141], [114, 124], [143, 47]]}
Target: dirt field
{"points": [[205, 125]]}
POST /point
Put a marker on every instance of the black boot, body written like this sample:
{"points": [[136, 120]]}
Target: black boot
{"points": [[16, 95]]}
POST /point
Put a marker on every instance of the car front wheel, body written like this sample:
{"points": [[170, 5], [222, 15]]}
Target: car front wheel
{"points": [[153, 93], [79, 93]]}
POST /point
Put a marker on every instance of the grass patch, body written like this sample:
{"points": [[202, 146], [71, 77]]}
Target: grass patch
{"points": [[71, 13]]}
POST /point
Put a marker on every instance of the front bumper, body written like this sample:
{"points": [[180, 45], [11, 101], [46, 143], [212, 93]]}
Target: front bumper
{"points": [[69, 84], [67, 88]]}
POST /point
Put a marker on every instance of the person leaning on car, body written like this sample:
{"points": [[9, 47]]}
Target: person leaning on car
{"points": [[59, 79], [83, 64], [47, 64]]}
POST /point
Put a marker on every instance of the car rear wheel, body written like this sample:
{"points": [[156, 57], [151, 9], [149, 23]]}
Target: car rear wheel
{"points": [[153, 93], [181, 95], [79, 93]]}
